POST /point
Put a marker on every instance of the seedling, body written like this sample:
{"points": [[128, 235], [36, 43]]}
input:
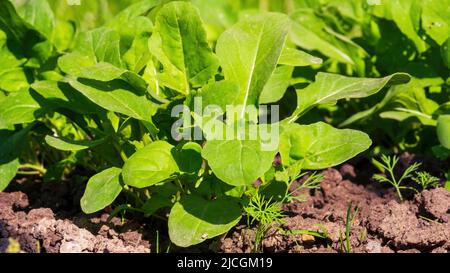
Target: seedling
{"points": [[265, 213], [348, 229], [388, 165], [426, 180]]}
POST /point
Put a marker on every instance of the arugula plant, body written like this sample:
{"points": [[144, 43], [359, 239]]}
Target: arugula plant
{"points": [[108, 104]]}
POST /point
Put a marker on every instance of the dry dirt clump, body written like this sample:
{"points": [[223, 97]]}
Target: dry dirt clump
{"points": [[38, 230]]}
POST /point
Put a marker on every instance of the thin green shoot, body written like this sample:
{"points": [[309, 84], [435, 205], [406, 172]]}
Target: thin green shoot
{"points": [[388, 165], [348, 229], [312, 182]]}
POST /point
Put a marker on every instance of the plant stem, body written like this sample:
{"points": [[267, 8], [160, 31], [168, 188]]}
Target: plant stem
{"points": [[38, 168], [399, 194]]}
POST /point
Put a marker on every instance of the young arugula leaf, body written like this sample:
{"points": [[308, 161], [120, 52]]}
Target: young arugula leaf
{"points": [[435, 19], [116, 96], [249, 52], [39, 14], [445, 52], [400, 102], [92, 47], [19, 108], [443, 130], [132, 22], [329, 88], [193, 219], [312, 33], [319, 145], [14, 79], [101, 190], [53, 94], [8, 60], [188, 157], [221, 93], [238, 162], [17, 30], [72, 145], [150, 165], [162, 196], [406, 14], [11, 145], [179, 43], [277, 84], [295, 57]]}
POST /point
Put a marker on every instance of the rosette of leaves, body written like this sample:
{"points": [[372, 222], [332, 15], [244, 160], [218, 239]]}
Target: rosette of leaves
{"points": [[120, 84]]}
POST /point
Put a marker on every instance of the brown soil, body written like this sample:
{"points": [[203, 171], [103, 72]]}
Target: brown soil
{"points": [[383, 224], [49, 220], [46, 217]]}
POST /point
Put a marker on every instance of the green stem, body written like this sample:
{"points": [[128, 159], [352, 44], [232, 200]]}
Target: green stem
{"points": [[399, 194], [28, 173], [120, 151], [38, 168]]}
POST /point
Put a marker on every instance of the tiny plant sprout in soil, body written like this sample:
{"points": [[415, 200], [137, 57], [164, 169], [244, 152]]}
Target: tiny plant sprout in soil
{"points": [[224, 126]]}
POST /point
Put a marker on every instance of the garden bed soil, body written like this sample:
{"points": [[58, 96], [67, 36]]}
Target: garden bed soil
{"points": [[382, 224], [45, 217]]}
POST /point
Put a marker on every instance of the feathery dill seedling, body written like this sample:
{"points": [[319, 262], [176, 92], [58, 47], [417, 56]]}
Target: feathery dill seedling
{"points": [[426, 180], [312, 182], [265, 212], [388, 166]]}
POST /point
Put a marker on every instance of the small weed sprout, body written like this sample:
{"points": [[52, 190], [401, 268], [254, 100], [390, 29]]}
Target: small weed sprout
{"points": [[426, 180], [347, 247], [388, 165]]}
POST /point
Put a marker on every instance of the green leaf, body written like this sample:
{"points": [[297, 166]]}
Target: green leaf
{"points": [[188, 157], [71, 145], [8, 60], [406, 14], [92, 47], [435, 19], [277, 85], [18, 30], [13, 79], [116, 96], [295, 57], [8, 171], [312, 33], [62, 95], [329, 88], [150, 165], [319, 146], [39, 14], [11, 145], [249, 52], [221, 93], [107, 72], [443, 130], [194, 219], [406, 100], [179, 43], [18, 108], [238, 162], [101, 190], [445, 52], [162, 196], [132, 22]]}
